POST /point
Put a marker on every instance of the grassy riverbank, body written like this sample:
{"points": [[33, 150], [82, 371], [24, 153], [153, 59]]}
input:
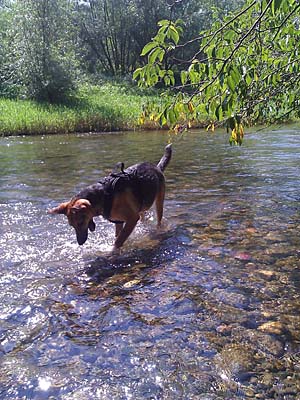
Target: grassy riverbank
{"points": [[108, 107]]}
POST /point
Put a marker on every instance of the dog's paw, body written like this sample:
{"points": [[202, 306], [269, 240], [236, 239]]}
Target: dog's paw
{"points": [[160, 227], [114, 251]]}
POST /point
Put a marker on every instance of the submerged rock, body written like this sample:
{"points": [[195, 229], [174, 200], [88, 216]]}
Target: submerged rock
{"points": [[267, 274], [231, 298], [243, 256], [235, 362], [272, 327], [266, 343]]}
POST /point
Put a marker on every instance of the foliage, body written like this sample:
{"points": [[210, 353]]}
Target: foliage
{"points": [[8, 85], [95, 108], [246, 65], [42, 54], [113, 32], [48, 46]]}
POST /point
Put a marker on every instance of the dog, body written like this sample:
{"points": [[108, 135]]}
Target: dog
{"points": [[121, 197]]}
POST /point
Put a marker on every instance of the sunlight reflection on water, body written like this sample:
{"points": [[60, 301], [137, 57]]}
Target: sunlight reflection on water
{"points": [[207, 308]]}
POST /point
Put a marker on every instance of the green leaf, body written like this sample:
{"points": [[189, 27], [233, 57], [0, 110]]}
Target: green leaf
{"points": [[148, 47], [235, 75], [194, 76], [163, 22], [275, 6], [179, 22], [173, 34], [213, 52], [161, 55], [171, 116], [162, 32], [161, 72], [229, 35], [183, 77], [157, 53], [167, 80], [219, 112], [231, 84], [137, 73], [162, 118], [248, 79]]}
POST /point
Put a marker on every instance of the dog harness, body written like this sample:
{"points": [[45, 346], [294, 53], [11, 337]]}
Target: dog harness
{"points": [[116, 182], [133, 177]]}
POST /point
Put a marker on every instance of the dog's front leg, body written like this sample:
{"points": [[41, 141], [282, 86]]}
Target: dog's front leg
{"points": [[119, 227], [126, 231]]}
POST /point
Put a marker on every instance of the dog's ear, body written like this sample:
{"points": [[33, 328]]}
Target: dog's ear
{"points": [[61, 209], [80, 205]]}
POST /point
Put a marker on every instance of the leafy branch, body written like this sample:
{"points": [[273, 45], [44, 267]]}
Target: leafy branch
{"points": [[239, 68]]}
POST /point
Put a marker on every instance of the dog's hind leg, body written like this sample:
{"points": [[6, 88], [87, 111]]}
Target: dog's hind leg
{"points": [[143, 216], [159, 204]]}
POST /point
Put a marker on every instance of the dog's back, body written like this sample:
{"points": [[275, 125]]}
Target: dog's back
{"points": [[147, 179]]}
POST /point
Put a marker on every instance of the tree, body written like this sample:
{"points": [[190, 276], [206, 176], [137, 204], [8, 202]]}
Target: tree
{"points": [[7, 81], [112, 33], [42, 48], [43, 43], [246, 66]]}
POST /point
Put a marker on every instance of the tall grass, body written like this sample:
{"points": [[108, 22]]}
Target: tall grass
{"points": [[107, 107]]}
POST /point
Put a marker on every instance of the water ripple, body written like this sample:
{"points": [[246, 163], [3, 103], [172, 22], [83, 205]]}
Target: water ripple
{"points": [[206, 309]]}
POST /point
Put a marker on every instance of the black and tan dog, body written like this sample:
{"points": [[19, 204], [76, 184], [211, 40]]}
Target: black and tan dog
{"points": [[120, 198]]}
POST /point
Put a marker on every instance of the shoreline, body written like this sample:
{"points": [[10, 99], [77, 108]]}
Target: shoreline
{"points": [[94, 109]]}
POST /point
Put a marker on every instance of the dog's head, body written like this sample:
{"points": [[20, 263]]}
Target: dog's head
{"points": [[80, 216]]}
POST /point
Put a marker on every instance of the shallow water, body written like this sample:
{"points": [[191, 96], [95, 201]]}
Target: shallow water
{"points": [[208, 308]]}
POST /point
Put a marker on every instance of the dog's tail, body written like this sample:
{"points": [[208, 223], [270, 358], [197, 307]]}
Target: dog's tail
{"points": [[164, 161]]}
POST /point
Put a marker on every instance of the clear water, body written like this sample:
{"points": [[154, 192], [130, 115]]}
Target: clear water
{"points": [[208, 308]]}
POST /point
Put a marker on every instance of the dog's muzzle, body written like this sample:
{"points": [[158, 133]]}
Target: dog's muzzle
{"points": [[81, 237]]}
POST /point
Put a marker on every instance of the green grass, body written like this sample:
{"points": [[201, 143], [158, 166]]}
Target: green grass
{"points": [[108, 107]]}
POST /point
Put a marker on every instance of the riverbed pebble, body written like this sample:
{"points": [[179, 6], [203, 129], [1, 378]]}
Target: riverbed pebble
{"points": [[272, 327]]}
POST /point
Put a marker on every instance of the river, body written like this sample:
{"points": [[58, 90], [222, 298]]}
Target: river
{"points": [[208, 308]]}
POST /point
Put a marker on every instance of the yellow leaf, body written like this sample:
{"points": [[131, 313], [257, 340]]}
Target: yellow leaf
{"points": [[241, 130], [234, 135], [191, 107]]}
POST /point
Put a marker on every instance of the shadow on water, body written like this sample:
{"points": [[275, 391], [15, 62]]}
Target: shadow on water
{"points": [[168, 248]]}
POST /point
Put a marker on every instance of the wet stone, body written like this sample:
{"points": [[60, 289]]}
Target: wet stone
{"points": [[266, 343], [242, 256], [231, 298], [224, 329], [272, 327], [216, 226], [249, 393], [267, 274], [235, 361], [274, 236]]}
